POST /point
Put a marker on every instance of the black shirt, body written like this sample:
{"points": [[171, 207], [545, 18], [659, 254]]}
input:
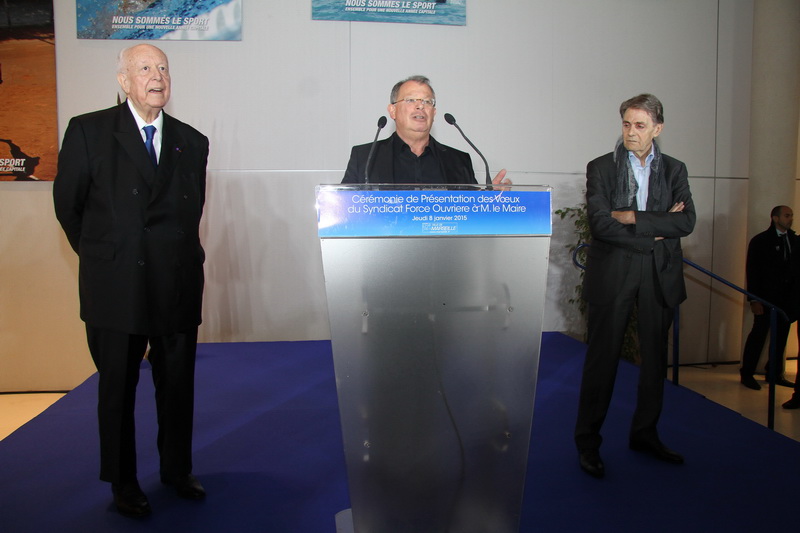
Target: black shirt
{"points": [[410, 168]]}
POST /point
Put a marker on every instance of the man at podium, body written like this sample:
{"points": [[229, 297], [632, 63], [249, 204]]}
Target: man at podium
{"points": [[410, 154]]}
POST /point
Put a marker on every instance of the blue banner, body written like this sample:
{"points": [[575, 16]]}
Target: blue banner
{"points": [[405, 213], [186, 20], [449, 12]]}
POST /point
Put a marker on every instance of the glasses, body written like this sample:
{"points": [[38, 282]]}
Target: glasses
{"points": [[429, 102]]}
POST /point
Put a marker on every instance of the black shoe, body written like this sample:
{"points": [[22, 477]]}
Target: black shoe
{"points": [[592, 464], [782, 381], [187, 487], [657, 450], [750, 382], [130, 500], [793, 403]]}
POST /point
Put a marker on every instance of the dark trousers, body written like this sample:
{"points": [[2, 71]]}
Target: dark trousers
{"points": [[118, 357], [797, 376], [607, 324], [755, 343]]}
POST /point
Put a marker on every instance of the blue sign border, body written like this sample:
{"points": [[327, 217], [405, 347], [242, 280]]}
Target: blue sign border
{"points": [[430, 213]]}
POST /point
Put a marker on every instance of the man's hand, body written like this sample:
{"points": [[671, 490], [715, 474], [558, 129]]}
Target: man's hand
{"points": [[500, 179], [757, 308], [624, 217], [676, 208], [629, 217]]}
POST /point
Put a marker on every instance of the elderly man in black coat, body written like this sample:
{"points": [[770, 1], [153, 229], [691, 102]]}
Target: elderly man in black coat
{"points": [[129, 195]]}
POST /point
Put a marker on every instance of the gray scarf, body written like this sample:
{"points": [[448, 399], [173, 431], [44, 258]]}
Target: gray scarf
{"points": [[627, 187]]}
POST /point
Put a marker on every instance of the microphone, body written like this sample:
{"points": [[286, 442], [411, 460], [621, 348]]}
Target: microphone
{"points": [[450, 119], [381, 124]]}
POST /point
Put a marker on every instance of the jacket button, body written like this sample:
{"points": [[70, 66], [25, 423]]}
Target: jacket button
{"points": [[135, 191], [141, 262]]}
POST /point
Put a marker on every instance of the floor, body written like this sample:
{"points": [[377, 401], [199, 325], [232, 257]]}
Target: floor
{"points": [[18, 409], [718, 383]]}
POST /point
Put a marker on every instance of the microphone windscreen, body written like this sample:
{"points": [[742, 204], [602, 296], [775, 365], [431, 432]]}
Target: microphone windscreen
{"points": [[450, 119], [381, 122]]}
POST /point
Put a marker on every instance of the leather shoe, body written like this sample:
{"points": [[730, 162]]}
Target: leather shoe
{"points": [[592, 464], [130, 500], [186, 486], [793, 403], [782, 381], [657, 450], [750, 382]]}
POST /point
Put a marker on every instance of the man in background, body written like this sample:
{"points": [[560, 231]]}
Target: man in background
{"points": [[773, 266], [129, 194], [639, 206]]}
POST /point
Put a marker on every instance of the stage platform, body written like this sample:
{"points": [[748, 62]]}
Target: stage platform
{"points": [[268, 450]]}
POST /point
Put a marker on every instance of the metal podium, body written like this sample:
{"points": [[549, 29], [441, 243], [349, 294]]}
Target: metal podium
{"points": [[435, 296]]}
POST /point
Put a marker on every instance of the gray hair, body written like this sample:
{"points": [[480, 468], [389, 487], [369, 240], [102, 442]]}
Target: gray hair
{"points": [[647, 103], [419, 79], [122, 65]]}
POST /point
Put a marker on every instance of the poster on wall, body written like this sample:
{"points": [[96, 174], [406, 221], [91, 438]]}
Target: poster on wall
{"points": [[185, 20], [28, 117], [449, 12]]}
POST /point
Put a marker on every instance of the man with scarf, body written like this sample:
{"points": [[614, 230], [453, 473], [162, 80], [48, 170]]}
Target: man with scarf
{"points": [[639, 206]]}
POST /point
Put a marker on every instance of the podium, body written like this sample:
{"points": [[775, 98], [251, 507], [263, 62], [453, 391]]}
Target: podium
{"points": [[435, 298]]}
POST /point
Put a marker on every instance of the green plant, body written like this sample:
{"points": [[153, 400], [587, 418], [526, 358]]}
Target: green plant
{"points": [[581, 221], [583, 235]]}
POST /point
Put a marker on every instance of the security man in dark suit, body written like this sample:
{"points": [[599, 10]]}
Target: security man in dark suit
{"points": [[773, 266], [129, 194], [411, 154], [639, 206]]}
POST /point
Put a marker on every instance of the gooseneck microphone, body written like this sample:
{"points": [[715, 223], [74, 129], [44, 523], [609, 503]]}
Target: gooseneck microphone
{"points": [[381, 124], [450, 119]]}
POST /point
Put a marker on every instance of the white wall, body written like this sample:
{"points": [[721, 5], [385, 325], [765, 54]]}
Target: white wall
{"points": [[536, 84]]}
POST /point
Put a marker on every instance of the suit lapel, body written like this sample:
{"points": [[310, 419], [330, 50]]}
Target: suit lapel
{"points": [[445, 162], [172, 147], [130, 139]]}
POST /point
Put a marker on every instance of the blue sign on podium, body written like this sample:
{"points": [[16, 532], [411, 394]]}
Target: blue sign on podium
{"points": [[362, 212]]}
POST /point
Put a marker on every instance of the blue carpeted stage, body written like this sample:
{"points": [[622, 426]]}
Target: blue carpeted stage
{"points": [[268, 450]]}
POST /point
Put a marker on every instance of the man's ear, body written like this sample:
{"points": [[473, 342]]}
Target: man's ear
{"points": [[122, 79]]}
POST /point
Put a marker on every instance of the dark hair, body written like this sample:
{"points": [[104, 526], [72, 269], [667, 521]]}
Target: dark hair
{"points": [[419, 79], [645, 102], [776, 211]]}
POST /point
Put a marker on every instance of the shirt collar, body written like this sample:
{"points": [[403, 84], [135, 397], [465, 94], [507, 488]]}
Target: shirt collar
{"points": [[140, 123], [649, 159], [401, 146]]}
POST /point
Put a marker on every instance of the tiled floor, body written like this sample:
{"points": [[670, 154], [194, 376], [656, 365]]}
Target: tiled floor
{"points": [[718, 383]]}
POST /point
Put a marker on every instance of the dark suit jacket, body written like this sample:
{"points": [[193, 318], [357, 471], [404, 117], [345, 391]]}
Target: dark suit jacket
{"points": [[134, 228], [608, 258], [769, 276], [456, 165]]}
